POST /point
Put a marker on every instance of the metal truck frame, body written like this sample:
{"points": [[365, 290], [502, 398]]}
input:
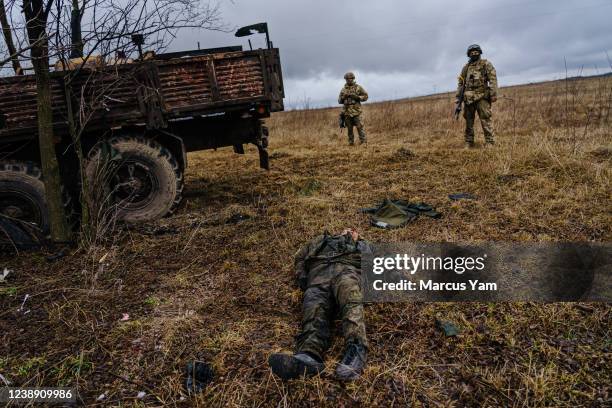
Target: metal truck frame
{"points": [[149, 113]]}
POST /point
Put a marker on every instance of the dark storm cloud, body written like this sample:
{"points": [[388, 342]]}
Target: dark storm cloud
{"points": [[406, 48]]}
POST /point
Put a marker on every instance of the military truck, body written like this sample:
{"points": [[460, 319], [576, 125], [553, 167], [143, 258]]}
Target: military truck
{"points": [[149, 112]]}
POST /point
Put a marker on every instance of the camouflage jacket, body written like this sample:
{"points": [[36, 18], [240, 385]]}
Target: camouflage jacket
{"points": [[480, 81], [328, 249], [351, 97]]}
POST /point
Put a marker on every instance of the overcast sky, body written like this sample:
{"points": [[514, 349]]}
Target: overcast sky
{"points": [[407, 48]]}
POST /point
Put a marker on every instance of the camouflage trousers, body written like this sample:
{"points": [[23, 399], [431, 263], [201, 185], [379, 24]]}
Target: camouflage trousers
{"points": [[483, 108], [355, 121], [331, 288]]}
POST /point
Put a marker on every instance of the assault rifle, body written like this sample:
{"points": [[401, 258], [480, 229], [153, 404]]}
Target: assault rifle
{"points": [[341, 121], [459, 100]]}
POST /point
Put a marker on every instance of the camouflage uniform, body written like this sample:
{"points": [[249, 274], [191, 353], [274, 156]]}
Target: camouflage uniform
{"points": [[480, 88], [351, 97], [329, 270]]}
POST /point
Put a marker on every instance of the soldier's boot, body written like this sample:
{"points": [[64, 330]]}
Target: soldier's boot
{"points": [[469, 141], [353, 362], [291, 366]]}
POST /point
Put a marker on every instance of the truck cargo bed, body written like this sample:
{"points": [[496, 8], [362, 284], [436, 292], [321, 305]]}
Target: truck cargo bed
{"points": [[150, 93]]}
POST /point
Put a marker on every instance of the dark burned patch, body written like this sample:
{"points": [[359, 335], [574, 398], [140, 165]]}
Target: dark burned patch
{"points": [[402, 154], [236, 218]]}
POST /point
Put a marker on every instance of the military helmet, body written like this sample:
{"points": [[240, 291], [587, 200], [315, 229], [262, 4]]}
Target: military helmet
{"points": [[474, 47], [349, 75]]}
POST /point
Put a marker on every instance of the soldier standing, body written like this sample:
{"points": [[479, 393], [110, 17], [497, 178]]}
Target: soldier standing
{"points": [[328, 269], [351, 97], [478, 81]]}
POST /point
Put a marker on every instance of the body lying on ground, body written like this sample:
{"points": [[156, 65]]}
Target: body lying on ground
{"points": [[328, 269]]}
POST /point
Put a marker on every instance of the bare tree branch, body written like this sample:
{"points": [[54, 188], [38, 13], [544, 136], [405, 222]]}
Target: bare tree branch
{"points": [[8, 39]]}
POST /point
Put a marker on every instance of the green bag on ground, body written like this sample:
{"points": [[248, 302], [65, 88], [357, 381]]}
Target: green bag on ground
{"points": [[397, 213], [391, 215]]}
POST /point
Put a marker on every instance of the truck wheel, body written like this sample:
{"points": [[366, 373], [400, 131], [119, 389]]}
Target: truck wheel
{"points": [[143, 182], [22, 193]]}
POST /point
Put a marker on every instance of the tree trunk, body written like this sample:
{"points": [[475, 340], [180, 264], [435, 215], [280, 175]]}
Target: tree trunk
{"points": [[76, 37], [8, 39], [37, 36]]}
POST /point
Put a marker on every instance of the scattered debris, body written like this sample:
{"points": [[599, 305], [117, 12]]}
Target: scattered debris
{"points": [[236, 218], [141, 395], [397, 213], [125, 317], [449, 328], [402, 154], [103, 258], [101, 397], [461, 196], [198, 375], [22, 307], [4, 275], [4, 380], [55, 257]]}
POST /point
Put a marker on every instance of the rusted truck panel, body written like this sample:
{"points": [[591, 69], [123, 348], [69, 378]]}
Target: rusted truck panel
{"points": [[150, 92]]}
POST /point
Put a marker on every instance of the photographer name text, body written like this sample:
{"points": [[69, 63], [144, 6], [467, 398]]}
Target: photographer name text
{"points": [[430, 285]]}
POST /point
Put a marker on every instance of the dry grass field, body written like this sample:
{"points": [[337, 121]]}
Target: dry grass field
{"points": [[210, 284]]}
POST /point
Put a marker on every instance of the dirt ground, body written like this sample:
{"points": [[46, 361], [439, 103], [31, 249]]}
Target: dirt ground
{"points": [[215, 281]]}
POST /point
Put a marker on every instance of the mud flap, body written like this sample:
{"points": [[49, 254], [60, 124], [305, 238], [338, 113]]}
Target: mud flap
{"points": [[238, 148], [262, 144], [264, 161]]}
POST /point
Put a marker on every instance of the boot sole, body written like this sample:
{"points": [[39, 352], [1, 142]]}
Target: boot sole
{"points": [[288, 368], [347, 374]]}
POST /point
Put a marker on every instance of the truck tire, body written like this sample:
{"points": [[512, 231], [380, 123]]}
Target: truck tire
{"points": [[142, 181], [22, 193]]}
